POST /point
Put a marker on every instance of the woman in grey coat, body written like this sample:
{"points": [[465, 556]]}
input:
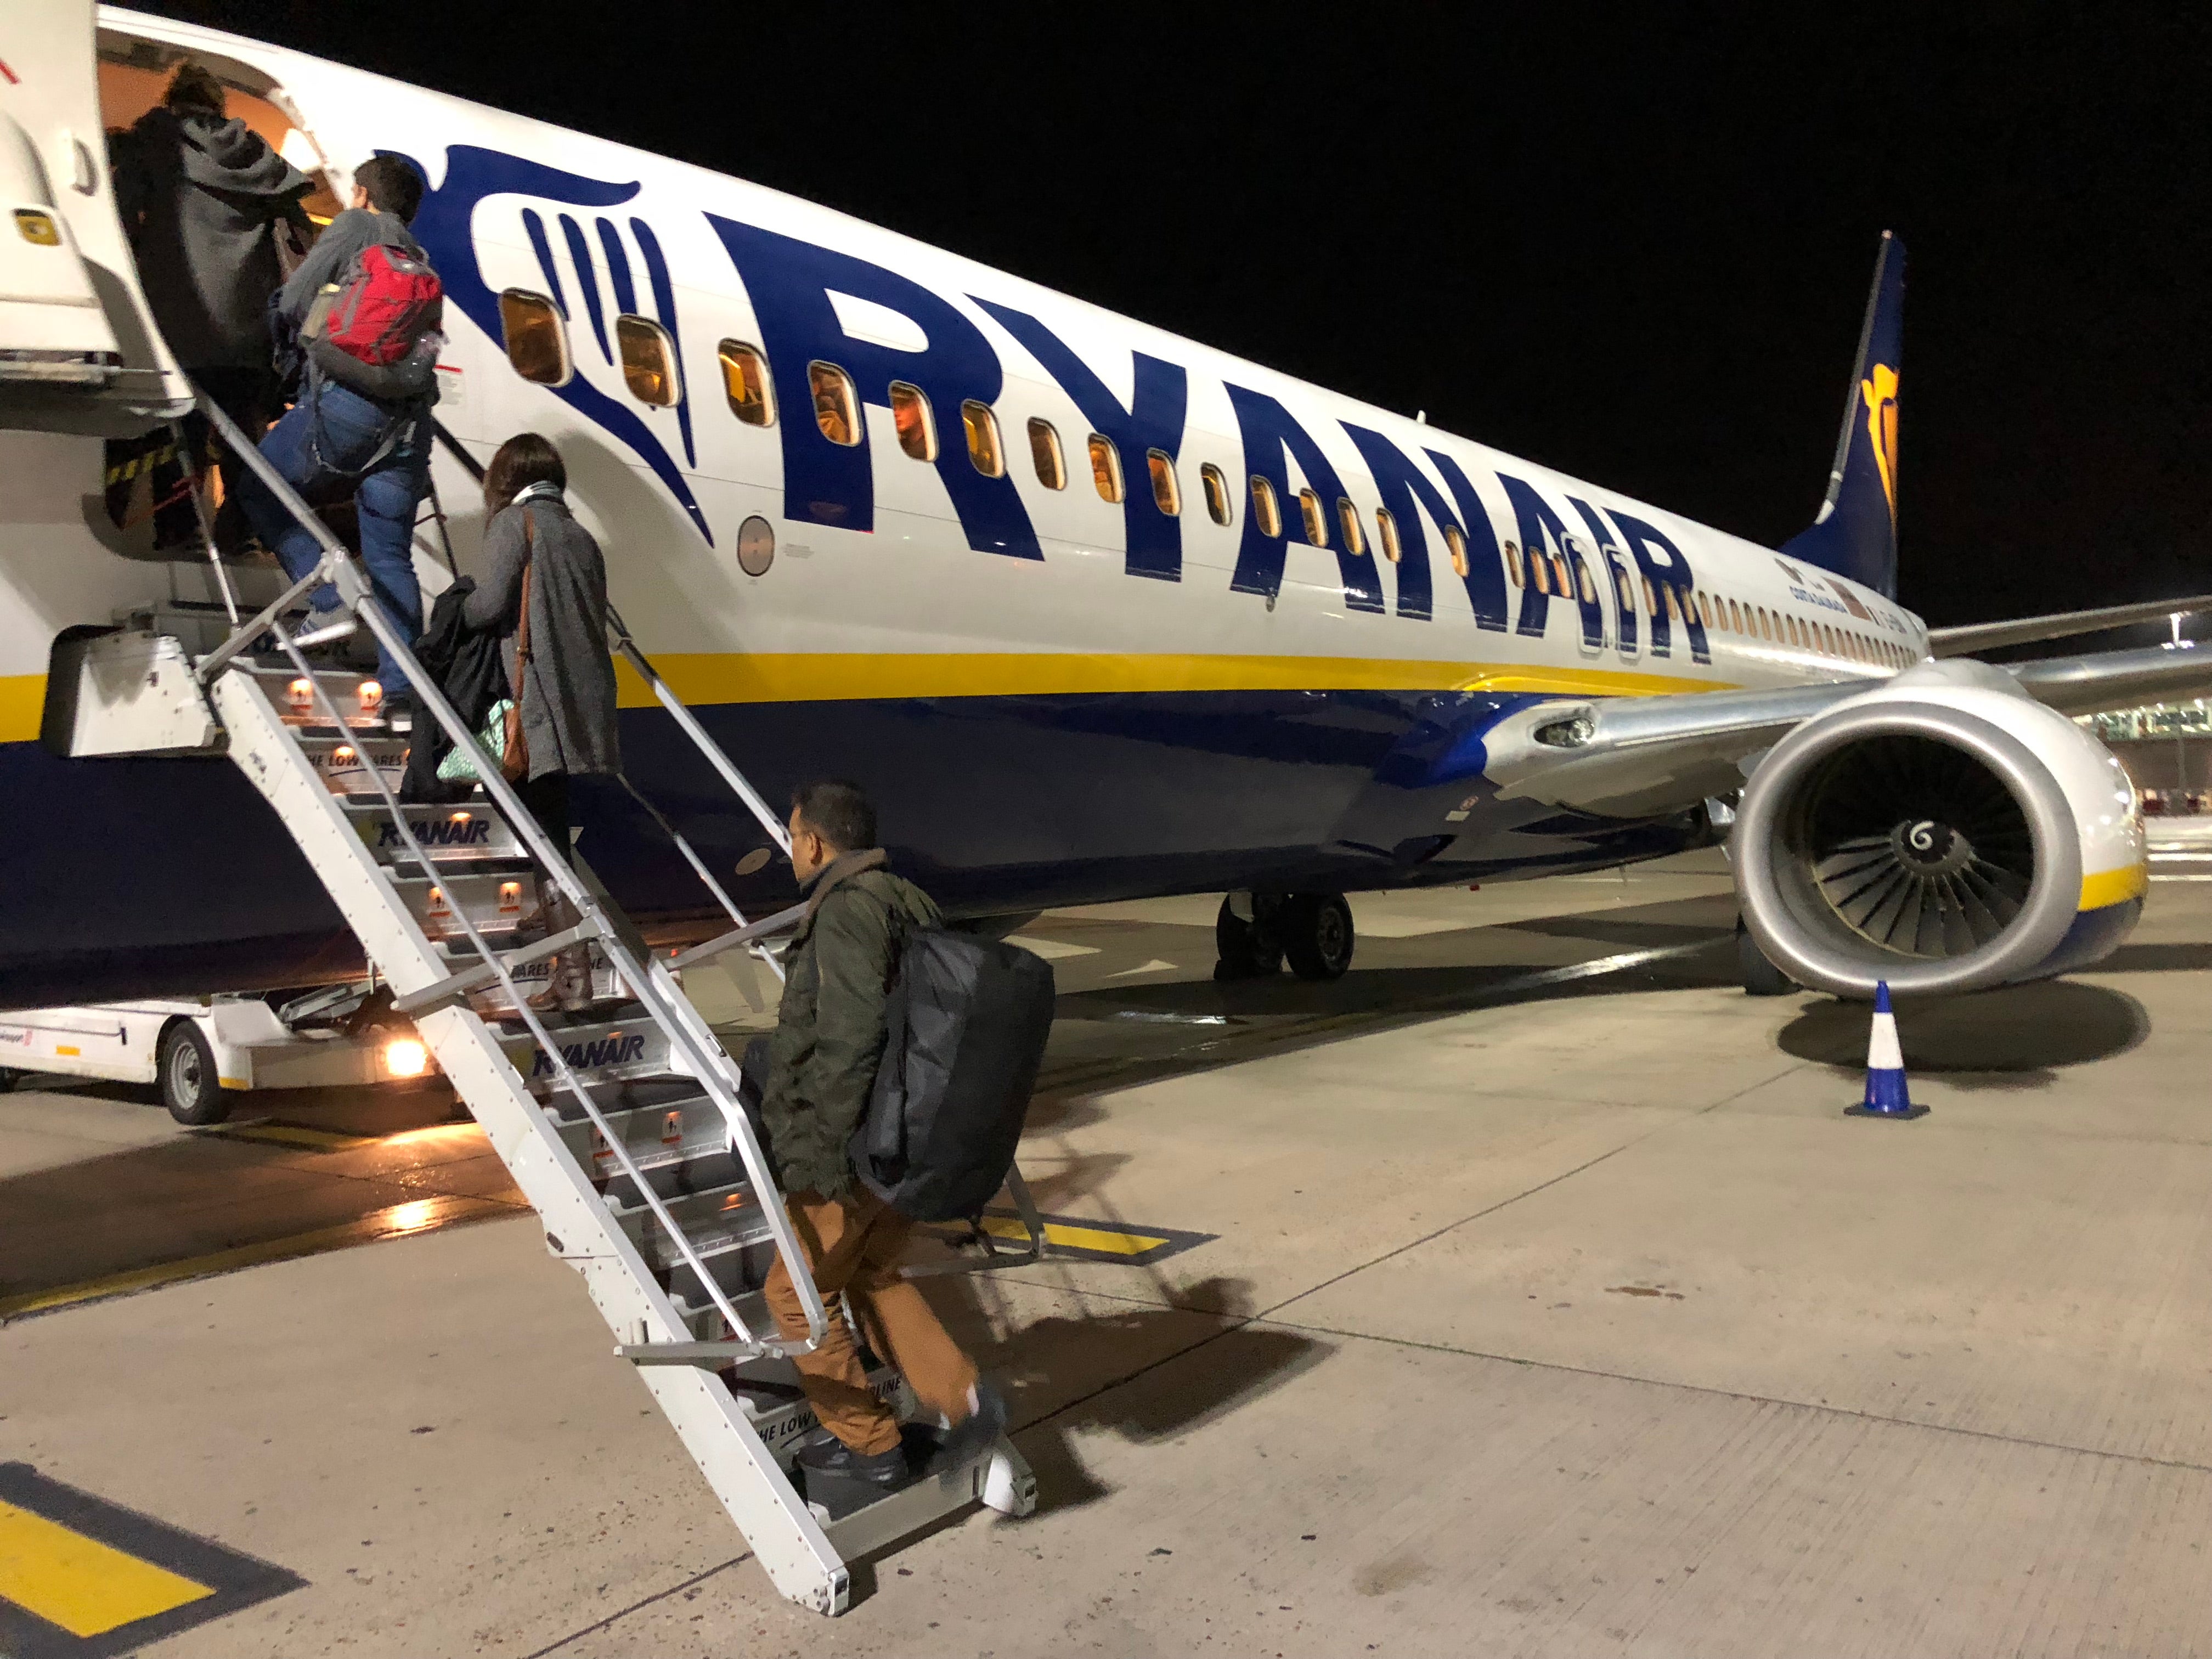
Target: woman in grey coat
{"points": [[566, 687]]}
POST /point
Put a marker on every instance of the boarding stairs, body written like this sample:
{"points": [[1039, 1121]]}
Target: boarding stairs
{"points": [[624, 1127]]}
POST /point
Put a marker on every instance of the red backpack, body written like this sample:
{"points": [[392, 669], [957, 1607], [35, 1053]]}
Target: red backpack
{"points": [[387, 301]]}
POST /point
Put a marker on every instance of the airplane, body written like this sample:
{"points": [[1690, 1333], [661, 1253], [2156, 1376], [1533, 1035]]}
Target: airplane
{"points": [[1094, 612]]}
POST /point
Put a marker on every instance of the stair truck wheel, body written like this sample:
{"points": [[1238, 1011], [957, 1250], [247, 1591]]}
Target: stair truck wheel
{"points": [[1761, 978], [190, 1087], [10, 1077], [1318, 935]]}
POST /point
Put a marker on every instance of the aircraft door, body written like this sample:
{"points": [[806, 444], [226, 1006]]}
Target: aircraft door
{"points": [[78, 349]]}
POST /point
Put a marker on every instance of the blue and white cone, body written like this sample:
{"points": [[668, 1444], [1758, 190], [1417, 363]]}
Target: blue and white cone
{"points": [[1885, 1093]]}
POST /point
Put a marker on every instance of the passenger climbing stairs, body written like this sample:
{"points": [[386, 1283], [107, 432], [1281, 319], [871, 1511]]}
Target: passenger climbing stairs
{"points": [[623, 1126]]}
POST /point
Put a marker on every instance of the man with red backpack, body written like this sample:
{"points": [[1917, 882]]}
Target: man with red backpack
{"points": [[358, 324]]}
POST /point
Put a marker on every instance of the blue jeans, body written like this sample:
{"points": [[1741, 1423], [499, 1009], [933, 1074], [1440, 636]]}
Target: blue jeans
{"points": [[386, 497]]}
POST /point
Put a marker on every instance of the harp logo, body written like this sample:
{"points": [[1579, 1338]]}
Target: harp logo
{"points": [[1879, 392]]}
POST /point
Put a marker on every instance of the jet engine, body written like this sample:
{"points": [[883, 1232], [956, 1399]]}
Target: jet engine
{"points": [[1945, 833]]}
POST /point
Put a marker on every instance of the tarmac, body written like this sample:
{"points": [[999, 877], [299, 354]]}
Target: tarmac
{"points": [[1526, 1293]]}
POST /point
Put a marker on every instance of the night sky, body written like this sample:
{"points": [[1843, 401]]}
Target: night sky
{"points": [[1634, 246]]}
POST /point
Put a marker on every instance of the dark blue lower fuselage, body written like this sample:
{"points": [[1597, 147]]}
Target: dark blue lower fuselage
{"points": [[137, 877]]}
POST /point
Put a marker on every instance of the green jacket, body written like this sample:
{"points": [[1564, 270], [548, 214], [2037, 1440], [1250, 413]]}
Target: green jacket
{"points": [[830, 1029]]}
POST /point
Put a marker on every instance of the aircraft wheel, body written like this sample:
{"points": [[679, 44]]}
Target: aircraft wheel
{"points": [[1318, 935], [1761, 978], [190, 1087], [10, 1077], [1246, 950]]}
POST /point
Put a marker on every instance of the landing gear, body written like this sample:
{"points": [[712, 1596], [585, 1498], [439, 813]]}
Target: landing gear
{"points": [[1315, 929], [1255, 933], [1761, 978], [189, 1088]]}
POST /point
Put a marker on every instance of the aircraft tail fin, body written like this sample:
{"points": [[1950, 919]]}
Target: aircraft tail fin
{"points": [[1854, 534]]}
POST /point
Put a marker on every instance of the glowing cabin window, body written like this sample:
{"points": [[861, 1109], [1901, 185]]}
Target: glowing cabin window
{"points": [[1512, 552], [917, 427], [1265, 513], [1044, 454], [1216, 487], [1565, 587], [1316, 521], [982, 427], [1795, 639], [1456, 544], [1651, 599], [1706, 609], [536, 339], [836, 411], [1386, 535], [1105, 468], [648, 361], [744, 383], [1167, 494], [1539, 571], [1735, 617], [1348, 516], [1588, 589]]}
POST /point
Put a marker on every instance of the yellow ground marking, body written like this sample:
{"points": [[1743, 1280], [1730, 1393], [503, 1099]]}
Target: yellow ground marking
{"points": [[2114, 886], [1074, 1238], [399, 1221], [292, 1134], [22, 700], [822, 675], [80, 1584]]}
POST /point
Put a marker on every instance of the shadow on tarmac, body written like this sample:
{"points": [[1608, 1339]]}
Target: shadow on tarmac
{"points": [[2015, 1037]]}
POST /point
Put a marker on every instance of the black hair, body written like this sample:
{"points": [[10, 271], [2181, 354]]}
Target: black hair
{"points": [[523, 460], [195, 89], [393, 186], [838, 812]]}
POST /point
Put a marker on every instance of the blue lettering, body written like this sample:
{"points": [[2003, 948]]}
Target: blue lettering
{"points": [[1624, 591], [790, 283], [1268, 432], [1402, 484], [1160, 393], [1664, 567], [1485, 573], [1543, 532]]}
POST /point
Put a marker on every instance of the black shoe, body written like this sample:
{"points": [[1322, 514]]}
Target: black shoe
{"points": [[978, 1432], [833, 1458], [399, 715]]}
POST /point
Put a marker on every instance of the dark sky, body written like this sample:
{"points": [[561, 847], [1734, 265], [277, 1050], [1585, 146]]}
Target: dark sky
{"points": [[1634, 245]]}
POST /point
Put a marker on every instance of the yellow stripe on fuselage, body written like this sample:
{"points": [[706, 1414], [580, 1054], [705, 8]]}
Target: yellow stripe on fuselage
{"points": [[2114, 886], [840, 677], [704, 679]]}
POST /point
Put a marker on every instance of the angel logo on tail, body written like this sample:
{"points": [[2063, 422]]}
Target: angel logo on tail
{"points": [[1879, 392]]}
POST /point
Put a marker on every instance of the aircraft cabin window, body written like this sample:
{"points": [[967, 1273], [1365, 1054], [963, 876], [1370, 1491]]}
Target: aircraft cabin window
{"points": [[744, 383], [917, 430], [1513, 563], [1105, 468], [1217, 493], [1167, 494], [1264, 510], [1539, 571], [1559, 574], [1650, 598], [1456, 544], [1736, 617], [984, 439], [835, 410], [1386, 532], [648, 361], [1316, 521], [1348, 516], [537, 340], [1044, 451]]}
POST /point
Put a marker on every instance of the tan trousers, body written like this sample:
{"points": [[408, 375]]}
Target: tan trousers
{"points": [[854, 1245]]}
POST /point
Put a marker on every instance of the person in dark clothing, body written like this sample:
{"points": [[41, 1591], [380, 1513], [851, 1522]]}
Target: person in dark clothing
{"points": [[204, 202], [335, 437], [829, 1036], [566, 687]]}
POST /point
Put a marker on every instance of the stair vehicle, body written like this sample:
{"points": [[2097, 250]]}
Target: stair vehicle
{"points": [[204, 1053]]}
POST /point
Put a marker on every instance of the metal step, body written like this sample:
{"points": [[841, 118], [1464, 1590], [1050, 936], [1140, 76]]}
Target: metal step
{"points": [[657, 1120], [494, 902], [359, 697], [715, 1224], [346, 761], [740, 1272], [472, 833], [716, 1176], [598, 1050]]}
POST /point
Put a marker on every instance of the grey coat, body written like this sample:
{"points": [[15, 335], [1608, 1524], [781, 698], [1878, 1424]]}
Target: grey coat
{"points": [[344, 237], [202, 198], [568, 695]]}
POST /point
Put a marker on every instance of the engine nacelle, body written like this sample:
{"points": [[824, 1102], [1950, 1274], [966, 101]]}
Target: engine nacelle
{"points": [[1944, 832]]}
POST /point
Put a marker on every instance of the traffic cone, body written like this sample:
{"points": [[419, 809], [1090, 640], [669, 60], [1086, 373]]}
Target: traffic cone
{"points": [[1885, 1093]]}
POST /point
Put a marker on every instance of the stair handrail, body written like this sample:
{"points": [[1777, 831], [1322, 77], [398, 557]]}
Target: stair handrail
{"points": [[703, 1056]]}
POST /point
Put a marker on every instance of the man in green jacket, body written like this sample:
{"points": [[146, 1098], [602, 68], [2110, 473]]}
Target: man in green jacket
{"points": [[829, 1036]]}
